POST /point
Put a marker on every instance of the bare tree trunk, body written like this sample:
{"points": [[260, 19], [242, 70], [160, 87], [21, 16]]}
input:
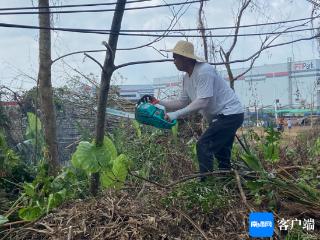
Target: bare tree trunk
{"points": [[203, 31], [226, 55], [230, 74], [205, 45], [46, 93], [108, 69]]}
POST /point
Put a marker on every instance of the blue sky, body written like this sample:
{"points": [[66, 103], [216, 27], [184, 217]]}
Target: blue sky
{"points": [[19, 54]]}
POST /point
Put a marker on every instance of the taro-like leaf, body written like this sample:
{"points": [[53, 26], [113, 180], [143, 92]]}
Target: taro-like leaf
{"points": [[31, 213], [55, 199], [116, 177], [85, 157], [106, 154]]}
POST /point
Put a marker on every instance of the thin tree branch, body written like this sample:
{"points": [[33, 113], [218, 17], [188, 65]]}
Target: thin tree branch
{"points": [[141, 62], [203, 31], [192, 222], [242, 194], [181, 180], [111, 53], [73, 53], [266, 47], [236, 32], [172, 24], [93, 59]]}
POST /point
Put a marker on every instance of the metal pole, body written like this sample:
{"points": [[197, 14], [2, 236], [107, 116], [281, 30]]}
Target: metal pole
{"points": [[290, 81]]}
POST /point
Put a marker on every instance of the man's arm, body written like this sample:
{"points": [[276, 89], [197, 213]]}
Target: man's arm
{"points": [[174, 104], [196, 105]]}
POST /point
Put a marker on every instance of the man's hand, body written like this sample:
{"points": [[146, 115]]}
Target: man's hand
{"points": [[148, 99], [171, 116]]}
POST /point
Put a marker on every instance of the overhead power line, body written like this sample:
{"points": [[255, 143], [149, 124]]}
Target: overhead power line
{"points": [[180, 29], [101, 10], [314, 3], [221, 28], [70, 6], [151, 35]]}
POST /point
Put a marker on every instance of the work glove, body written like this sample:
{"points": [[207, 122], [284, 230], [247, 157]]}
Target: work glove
{"points": [[172, 116], [148, 99]]}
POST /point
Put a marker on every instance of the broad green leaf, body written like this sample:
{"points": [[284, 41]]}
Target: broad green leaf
{"points": [[116, 177], [106, 154], [252, 161], [55, 199], [31, 213], [107, 179], [94, 159], [29, 189], [120, 167], [3, 220], [85, 157], [34, 126], [107, 142]]}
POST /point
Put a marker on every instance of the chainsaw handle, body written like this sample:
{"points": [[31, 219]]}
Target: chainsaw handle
{"points": [[148, 99]]}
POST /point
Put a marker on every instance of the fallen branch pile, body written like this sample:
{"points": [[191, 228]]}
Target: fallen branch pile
{"points": [[119, 216]]}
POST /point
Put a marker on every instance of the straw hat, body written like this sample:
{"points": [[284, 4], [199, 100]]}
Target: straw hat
{"points": [[185, 49]]}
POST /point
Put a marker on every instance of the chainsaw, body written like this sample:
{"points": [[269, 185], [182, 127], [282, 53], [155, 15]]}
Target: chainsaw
{"points": [[154, 115], [148, 114]]}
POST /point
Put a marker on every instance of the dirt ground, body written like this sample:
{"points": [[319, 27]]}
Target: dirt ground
{"points": [[293, 132]]}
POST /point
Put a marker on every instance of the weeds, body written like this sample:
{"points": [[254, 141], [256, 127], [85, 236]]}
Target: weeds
{"points": [[203, 197]]}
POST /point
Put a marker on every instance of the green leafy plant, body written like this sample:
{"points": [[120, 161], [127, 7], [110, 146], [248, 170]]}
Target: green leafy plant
{"points": [[175, 130], [46, 192], [315, 149], [32, 148], [8, 158], [113, 168], [297, 233], [192, 152], [271, 145], [200, 196], [137, 128], [268, 187], [34, 129]]}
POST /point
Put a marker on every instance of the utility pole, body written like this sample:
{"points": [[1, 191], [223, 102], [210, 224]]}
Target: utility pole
{"points": [[276, 110], [318, 92], [290, 82]]}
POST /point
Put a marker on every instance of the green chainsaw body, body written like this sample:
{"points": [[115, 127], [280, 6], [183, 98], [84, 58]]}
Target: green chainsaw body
{"points": [[150, 114]]}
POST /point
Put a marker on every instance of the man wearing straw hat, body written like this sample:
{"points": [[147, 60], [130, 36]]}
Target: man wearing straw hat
{"points": [[206, 92]]}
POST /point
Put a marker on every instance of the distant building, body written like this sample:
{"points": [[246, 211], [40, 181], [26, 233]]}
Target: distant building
{"points": [[291, 84], [135, 92], [167, 87]]}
